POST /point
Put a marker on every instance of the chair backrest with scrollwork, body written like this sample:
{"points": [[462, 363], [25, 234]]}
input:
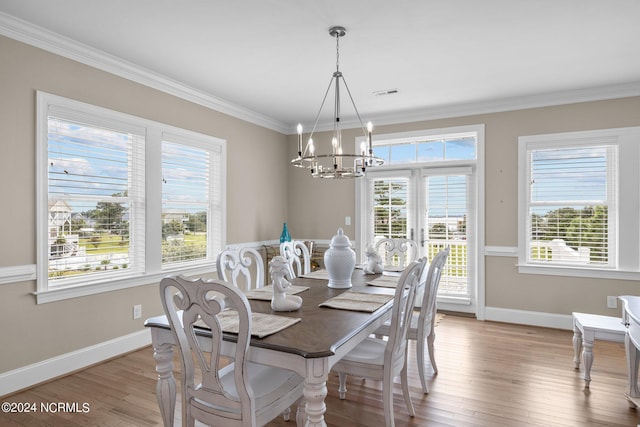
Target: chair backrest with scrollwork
{"points": [[396, 253], [243, 267], [297, 253]]}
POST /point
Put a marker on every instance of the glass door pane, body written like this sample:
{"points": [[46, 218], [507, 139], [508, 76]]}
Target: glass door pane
{"points": [[390, 208]]}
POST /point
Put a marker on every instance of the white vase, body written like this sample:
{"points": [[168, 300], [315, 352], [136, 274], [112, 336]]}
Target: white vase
{"points": [[340, 260]]}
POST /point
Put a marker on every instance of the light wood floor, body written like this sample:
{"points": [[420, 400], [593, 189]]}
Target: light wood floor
{"points": [[491, 374]]}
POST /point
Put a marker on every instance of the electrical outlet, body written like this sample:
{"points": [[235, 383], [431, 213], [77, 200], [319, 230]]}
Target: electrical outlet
{"points": [[612, 302], [137, 311]]}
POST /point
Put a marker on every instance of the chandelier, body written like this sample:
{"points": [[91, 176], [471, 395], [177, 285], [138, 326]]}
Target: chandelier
{"points": [[337, 163]]}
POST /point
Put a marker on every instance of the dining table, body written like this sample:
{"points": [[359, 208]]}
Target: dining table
{"points": [[310, 347]]}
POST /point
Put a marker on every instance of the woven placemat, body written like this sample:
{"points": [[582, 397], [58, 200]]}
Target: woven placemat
{"points": [[262, 325], [265, 293], [384, 281], [357, 301], [321, 274]]}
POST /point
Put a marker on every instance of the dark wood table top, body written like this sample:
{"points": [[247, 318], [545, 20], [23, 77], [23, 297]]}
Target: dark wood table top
{"points": [[321, 329]]}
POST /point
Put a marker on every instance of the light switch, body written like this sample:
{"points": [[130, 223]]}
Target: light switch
{"points": [[347, 220]]}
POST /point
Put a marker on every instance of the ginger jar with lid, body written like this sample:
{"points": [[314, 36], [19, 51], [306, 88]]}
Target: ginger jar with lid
{"points": [[340, 260]]}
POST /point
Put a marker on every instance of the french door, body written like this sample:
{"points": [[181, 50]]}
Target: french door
{"points": [[436, 207]]}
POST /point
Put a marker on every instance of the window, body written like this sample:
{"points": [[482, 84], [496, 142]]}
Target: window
{"points": [[572, 218], [121, 199], [426, 148]]}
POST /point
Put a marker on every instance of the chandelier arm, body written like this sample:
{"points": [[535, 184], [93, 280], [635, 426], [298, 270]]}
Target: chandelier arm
{"points": [[344, 81], [315, 124], [336, 119]]}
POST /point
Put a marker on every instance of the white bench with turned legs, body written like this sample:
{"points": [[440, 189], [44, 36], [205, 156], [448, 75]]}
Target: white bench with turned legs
{"points": [[590, 327]]}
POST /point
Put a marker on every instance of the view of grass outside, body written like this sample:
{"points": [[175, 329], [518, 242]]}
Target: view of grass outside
{"points": [[98, 240]]}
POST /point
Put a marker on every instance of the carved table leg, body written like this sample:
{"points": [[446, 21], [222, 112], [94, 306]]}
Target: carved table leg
{"points": [[315, 391], [314, 394], [587, 360], [577, 345], [166, 387]]}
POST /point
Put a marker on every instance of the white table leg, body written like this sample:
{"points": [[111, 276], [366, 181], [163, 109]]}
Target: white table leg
{"points": [[577, 345], [587, 360], [166, 387], [315, 391]]}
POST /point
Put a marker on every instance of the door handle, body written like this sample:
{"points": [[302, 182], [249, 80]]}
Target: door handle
{"points": [[422, 237]]}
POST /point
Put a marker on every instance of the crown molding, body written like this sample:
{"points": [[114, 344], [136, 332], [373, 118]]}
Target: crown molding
{"points": [[495, 106], [39, 37]]}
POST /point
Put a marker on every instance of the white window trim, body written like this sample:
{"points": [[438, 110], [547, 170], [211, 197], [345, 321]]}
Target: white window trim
{"points": [[628, 243], [154, 132]]}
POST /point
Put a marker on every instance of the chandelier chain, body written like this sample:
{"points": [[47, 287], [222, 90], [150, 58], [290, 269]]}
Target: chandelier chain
{"points": [[337, 52]]}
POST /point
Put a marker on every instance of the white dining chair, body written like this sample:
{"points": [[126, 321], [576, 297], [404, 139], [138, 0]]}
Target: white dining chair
{"points": [[396, 253], [382, 360], [239, 394], [297, 253], [422, 326], [243, 267]]}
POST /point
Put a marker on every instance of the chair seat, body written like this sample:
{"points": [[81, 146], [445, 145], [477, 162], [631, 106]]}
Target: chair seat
{"points": [[269, 385], [371, 351], [264, 380]]}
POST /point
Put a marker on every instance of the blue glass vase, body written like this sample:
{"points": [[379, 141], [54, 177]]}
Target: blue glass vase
{"points": [[285, 237]]}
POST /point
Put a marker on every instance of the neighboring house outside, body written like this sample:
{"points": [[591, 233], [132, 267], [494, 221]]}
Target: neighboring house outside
{"points": [[61, 242]]}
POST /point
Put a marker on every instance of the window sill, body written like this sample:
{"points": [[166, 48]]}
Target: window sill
{"points": [[578, 272], [75, 291]]}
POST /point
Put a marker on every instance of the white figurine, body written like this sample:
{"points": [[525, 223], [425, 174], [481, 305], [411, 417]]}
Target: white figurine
{"points": [[278, 269], [374, 261]]}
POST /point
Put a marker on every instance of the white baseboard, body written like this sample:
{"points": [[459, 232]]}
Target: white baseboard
{"points": [[533, 318], [39, 372]]}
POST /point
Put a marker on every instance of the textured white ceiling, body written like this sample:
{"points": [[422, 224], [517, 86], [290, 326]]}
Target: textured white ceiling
{"points": [[276, 58]]}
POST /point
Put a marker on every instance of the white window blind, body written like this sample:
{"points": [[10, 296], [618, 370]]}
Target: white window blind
{"points": [[578, 201], [186, 195], [447, 216], [95, 176], [571, 200]]}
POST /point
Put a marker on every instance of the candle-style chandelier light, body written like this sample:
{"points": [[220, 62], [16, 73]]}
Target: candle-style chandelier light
{"points": [[337, 163]]}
